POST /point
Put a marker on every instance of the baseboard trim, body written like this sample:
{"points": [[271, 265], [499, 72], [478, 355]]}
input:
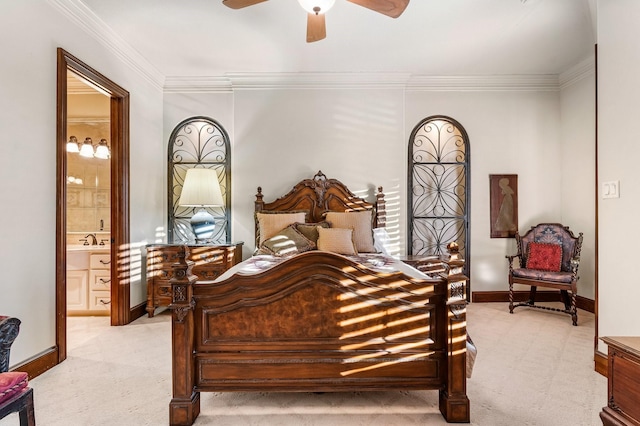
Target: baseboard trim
{"points": [[137, 311], [41, 363], [601, 363], [522, 296]]}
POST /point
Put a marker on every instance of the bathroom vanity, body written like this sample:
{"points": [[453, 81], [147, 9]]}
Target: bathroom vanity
{"points": [[88, 280]]}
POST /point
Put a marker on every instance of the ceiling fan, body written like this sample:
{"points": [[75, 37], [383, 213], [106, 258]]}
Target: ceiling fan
{"points": [[316, 28]]}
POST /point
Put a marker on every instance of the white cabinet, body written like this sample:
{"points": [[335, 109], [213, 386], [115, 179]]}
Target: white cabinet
{"points": [[88, 282]]}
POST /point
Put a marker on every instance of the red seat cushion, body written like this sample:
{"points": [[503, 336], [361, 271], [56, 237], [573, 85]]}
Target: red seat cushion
{"points": [[544, 257], [12, 383]]}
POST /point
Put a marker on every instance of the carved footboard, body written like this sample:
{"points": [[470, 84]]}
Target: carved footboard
{"points": [[318, 322]]}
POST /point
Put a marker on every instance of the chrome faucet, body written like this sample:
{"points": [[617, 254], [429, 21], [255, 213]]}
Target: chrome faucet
{"points": [[94, 241]]}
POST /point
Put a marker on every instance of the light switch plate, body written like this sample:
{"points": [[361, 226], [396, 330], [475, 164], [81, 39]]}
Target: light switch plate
{"points": [[611, 189]]}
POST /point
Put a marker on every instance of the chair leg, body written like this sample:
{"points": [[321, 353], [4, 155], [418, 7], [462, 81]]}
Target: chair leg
{"points": [[510, 297], [532, 295], [27, 413], [574, 310]]}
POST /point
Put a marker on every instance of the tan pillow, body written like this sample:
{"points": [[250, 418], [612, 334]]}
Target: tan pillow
{"points": [[310, 230], [270, 223], [336, 240], [360, 222]]}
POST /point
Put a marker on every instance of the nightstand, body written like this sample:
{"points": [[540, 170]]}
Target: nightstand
{"points": [[210, 261]]}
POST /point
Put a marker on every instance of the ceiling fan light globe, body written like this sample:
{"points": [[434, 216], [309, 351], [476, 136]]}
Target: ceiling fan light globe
{"points": [[316, 6]]}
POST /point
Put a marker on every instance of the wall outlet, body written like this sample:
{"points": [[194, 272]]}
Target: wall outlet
{"points": [[611, 189]]}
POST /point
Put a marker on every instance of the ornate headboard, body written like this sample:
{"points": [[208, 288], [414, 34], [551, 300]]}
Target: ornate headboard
{"points": [[319, 195]]}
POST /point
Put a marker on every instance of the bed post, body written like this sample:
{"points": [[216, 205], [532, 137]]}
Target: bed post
{"points": [[259, 203], [185, 404], [381, 209], [454, 404]]}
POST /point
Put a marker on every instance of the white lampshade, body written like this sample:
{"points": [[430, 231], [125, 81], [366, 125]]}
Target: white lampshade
{"points": [[102, 150], [72, 145], [321, 5], [87, 148], [201, 189]]}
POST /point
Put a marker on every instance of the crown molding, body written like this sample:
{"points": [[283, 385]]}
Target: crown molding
{"points": [[90, 23], [480, 83], [585, 68], [318, 80], [405, 81], [197, 84]]}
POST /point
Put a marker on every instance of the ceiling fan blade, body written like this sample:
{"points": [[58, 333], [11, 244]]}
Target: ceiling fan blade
{"points": [[239, 4], [316, 28], [392, 8]]}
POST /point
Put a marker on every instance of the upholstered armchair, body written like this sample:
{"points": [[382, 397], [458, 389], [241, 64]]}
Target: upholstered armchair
{"points": [[15, 395], [549, 256], [9, 329]]}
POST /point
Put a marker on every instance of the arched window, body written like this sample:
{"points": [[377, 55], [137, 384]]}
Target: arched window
{"points": [[438, 188], [198, 142]]}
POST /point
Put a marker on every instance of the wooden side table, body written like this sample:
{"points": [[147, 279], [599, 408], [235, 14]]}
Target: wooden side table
{"points": [[210, 261], [424, 263], [623, 390]]}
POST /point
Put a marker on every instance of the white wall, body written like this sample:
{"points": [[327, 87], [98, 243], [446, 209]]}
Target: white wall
{"points": [[28, 161], [618, 153], [577, 118]]}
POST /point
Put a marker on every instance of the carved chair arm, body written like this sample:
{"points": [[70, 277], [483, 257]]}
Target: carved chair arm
{"points": [[510, 259], [575, 262]]}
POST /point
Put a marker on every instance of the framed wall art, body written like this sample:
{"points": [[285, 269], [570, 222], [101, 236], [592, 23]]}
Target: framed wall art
{"points": [[504, 205]]}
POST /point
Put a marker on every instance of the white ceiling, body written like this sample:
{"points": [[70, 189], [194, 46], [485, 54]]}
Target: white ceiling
{"points": [[188, 38]]}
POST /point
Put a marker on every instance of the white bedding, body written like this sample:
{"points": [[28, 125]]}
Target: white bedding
{"points": [[375, 261]]}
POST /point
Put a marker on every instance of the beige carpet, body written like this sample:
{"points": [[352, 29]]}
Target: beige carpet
{"points": [[532, 368]]}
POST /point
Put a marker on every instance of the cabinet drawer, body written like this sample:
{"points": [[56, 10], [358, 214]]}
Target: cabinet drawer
{"points": [[100, 279], [99, 300], [100, 261]]}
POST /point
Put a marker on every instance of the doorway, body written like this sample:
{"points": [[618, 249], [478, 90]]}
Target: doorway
{"points": [[118, 192]]}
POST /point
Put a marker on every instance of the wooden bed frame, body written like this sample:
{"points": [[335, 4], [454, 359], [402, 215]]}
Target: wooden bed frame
{"points": [[319, 322]]}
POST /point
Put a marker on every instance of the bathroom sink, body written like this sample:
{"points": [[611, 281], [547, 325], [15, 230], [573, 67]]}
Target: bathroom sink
{"points": [[80, 247]]}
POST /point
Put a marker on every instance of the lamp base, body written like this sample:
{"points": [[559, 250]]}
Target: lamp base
{"points": [[203, 225]]}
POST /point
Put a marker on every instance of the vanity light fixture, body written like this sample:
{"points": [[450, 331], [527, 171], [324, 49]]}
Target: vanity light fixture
{"points": [[87, 150], [201, 189]]}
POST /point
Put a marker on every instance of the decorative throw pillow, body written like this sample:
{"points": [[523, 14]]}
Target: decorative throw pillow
{"points": [[544, 257], [336, 240], [272, 222], [360, 222], [12, 383], [287, 242], [310, 230]]}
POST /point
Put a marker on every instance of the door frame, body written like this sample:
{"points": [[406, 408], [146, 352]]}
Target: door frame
{"points": [[120, 236]]}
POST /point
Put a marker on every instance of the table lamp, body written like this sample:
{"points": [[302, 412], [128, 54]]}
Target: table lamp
{"points": [[201, 189]]}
